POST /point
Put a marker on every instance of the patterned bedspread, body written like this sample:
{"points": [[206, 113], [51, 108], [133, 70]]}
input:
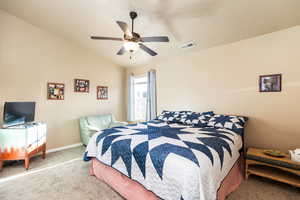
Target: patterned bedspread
{"points": [[172, 160]]}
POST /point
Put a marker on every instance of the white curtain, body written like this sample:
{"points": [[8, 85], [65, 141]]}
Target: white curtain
{"points": [[151, 96], [130, 106]]}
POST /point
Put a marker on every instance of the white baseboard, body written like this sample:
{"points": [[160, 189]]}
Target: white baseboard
{"points": [[64, 148]]}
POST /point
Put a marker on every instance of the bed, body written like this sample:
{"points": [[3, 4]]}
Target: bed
{"points": [[159, 160]]}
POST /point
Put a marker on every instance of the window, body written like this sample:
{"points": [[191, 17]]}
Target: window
{"points": [[140, 97]]}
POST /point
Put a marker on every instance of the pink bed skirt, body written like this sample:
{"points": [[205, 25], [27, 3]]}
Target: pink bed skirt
{"points": [[133, 190]]}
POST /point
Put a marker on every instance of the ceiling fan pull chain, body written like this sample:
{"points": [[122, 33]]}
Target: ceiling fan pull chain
{"points": [[131, 53]]}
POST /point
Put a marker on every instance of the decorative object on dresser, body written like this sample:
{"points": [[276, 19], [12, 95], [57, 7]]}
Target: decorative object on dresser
{"points": [[281, 169], [56, 91], [81, 85], [22, 142], [275, 153], [270, 83], [102, 92], [295, 155]]}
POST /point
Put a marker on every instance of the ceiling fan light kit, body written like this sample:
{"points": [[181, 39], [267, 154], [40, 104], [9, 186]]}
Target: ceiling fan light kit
{"points": [[131, 46], [133, 41]]}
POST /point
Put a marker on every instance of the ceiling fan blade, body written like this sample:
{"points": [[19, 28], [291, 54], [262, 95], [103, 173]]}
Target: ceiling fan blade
{"points": [[121, 51], [124, 28], [155, 39], [148, 50], [105, 38]]}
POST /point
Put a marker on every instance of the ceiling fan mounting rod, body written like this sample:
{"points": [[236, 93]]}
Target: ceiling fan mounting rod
{"points": [[132, 15], [132, 24]]}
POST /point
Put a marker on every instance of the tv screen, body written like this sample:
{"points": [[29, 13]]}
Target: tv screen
{"points": [[16, 113]]}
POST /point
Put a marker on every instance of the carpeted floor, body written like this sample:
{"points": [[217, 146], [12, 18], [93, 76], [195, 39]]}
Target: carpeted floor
{"points": [[36, 163], [69, 179]]}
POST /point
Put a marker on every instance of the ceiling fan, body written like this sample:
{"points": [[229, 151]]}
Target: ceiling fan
{"points": [[132, 40]]}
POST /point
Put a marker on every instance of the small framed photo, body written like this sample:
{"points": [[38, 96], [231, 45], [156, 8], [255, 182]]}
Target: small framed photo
{"points": [[81, 85], [56, 91], [270, 83], [102, 92]]}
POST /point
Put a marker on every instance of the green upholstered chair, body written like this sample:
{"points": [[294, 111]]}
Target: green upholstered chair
{"points": [[92, 124]]}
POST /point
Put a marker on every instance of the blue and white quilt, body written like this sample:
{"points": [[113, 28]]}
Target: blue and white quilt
{"points": [[172, 160]]}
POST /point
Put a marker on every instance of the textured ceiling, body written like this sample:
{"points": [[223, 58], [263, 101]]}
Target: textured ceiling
{"points": [[207, 22]]}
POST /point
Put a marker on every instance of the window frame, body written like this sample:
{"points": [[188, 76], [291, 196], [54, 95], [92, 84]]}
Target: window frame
{"points": [[134, 99]]}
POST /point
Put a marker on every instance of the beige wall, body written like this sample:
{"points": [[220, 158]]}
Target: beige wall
{"points": [[225, 79], [31, 57]]}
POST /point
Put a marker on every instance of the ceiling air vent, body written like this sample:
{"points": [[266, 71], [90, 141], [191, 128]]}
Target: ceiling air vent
{"points": [[188, 45]]}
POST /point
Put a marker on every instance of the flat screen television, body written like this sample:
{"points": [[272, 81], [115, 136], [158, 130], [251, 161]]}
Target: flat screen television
{"points": [[17, 113]]}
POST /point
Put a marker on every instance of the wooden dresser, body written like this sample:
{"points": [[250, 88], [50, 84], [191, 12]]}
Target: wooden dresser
{"points": [[21, 143]]}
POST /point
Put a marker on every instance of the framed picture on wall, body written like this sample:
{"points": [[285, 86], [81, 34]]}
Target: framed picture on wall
{"points": [[55, 91], [81, 85], [102, 92], [270, 83]]}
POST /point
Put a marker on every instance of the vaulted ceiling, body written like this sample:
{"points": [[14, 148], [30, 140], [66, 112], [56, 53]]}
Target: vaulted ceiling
{"points": [[206, 22]]}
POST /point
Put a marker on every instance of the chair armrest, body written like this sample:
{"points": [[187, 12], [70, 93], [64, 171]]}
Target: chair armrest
{"points": [[93, 128], [116, 123]]}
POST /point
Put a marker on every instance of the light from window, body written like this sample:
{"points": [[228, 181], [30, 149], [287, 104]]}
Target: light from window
{"points": [[140, 97]]}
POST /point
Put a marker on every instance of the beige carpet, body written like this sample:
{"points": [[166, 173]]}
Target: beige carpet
{"points": [[37, 162], [70, 181], [60, 183]]}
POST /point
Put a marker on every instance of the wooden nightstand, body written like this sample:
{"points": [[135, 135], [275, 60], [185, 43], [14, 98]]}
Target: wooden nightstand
{"points": [[279, 169]]}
